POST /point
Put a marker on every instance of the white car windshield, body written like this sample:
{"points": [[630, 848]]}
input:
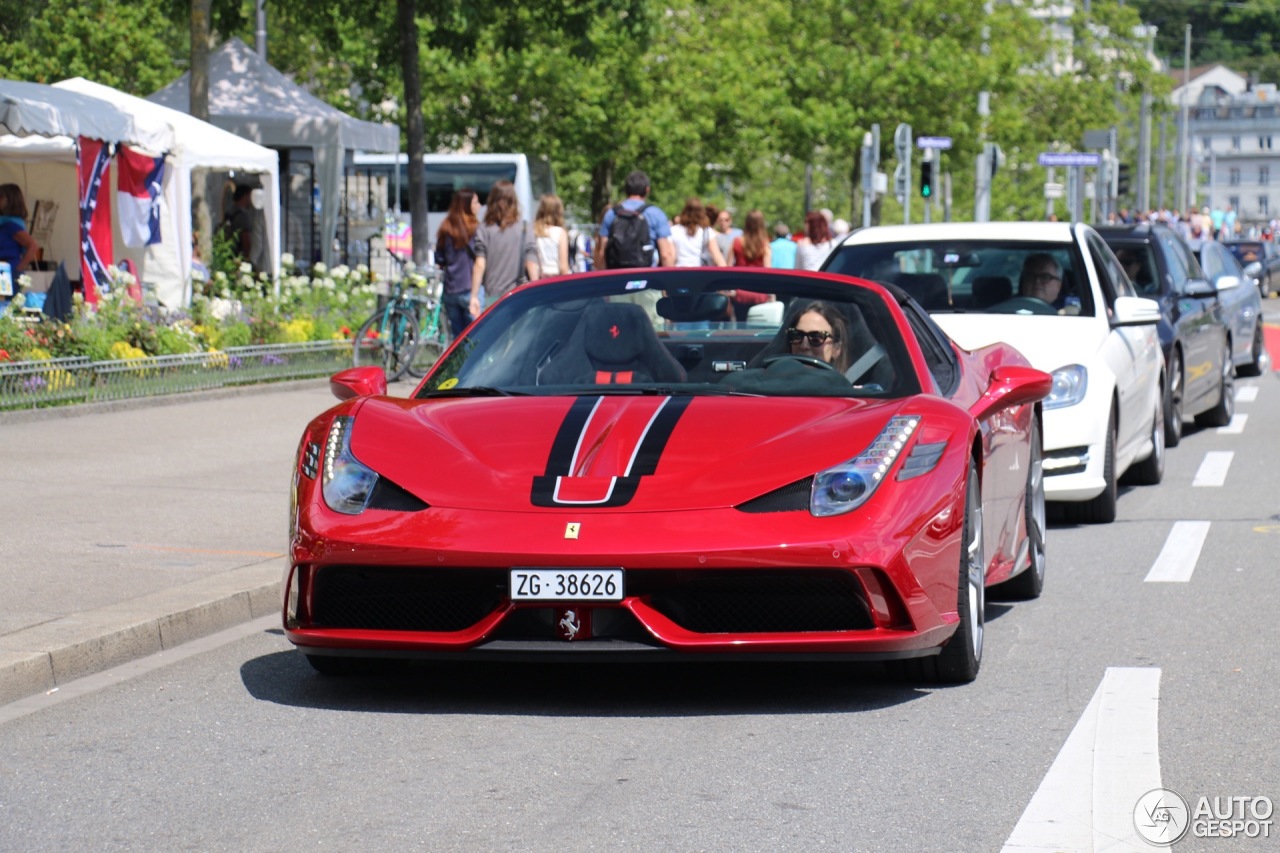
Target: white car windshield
{"points": [[976, 276]]}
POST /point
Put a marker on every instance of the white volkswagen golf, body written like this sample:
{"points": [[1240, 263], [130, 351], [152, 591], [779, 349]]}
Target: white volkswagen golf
{"points": [[1056, 292]]}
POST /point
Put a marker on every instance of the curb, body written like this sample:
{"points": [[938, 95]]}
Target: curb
{"points": [[38, 659]]}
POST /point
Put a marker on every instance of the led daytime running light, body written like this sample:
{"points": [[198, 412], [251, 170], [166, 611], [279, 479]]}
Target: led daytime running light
{"points": [[849, 485]]}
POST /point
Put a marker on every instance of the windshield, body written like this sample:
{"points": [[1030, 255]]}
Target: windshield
{"points": [[976, 276], [683, 332], [1246, 253]]}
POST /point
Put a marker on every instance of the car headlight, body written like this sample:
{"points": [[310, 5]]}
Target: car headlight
{"points": [[1069, 385], [348, 483], [849, 485]]}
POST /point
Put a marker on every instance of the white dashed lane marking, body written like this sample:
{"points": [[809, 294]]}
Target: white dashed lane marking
{"points": [[1235, 427], [1110, 759], [1246, 393], [1213, 470], [1181, 551]]}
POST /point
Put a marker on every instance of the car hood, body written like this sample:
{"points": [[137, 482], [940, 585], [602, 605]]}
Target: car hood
{"points": [[1048, 342], [627, 453]]}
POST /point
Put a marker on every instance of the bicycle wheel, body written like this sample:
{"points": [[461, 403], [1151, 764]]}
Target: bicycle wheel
{"points": [[366, 349], [430, 340], [402, 343]]}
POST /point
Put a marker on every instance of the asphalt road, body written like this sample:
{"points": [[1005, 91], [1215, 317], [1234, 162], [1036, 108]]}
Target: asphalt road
{"points": [[1111, 684]]}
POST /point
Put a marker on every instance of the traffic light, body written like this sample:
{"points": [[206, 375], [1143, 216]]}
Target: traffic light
{"points": [[1122, 179], [926, 179]]}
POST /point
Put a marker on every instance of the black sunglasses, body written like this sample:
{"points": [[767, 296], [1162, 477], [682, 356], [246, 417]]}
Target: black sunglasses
{"points": [[816, 339]]}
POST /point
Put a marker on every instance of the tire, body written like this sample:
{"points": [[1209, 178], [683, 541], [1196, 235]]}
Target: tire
{"points": [[392, 348], [1102, 509], [1258, 358], [430, 342], [1029, 583], [1150, 471], [1264, 286], [960, 659], [1220, 415], [1173, 402]]}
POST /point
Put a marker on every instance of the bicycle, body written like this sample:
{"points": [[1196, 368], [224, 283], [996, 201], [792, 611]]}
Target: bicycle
{"points": [[401, 336]]}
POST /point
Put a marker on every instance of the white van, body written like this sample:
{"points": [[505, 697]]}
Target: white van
{"points": [[449, 172]]}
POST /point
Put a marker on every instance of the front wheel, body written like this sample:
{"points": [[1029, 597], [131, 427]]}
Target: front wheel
{"points": [[960, 659], [1102, 509], [1221, 414], [431, 341], [389, 341], [1029, 583], [1257, 364]]}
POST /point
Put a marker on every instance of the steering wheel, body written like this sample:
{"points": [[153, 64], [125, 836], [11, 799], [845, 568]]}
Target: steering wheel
{"points": [[1023, 303], [803, 359]]}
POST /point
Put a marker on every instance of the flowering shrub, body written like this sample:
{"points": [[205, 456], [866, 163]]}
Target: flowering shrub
{"points": [[226, 311]]}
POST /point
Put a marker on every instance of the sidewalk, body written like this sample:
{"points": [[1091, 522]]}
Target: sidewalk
{"points": [[135, 526]]}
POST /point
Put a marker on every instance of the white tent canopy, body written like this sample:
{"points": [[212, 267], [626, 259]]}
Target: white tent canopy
{"points": [[253, 100], [197, 145], [34, 109]]}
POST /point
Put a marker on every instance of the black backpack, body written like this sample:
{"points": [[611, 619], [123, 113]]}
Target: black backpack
{"points": [[629, 243]]}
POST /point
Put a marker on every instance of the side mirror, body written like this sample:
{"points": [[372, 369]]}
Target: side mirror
{"points": [[1227, 282], [1012, 385], [1199, 288], [1253, 268], [1135, 311], [358, 382]]}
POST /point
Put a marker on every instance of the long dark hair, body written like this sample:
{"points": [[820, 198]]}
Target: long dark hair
{"points": [[503, 208], [459, 223], [754, 238], [816, 228]]}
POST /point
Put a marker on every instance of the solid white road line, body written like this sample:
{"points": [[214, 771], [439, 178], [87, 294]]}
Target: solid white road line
{"points": [[1180, 553], [1246, 393], [1213, 470], [1235, 427], [134, 668], [1111, 758]]}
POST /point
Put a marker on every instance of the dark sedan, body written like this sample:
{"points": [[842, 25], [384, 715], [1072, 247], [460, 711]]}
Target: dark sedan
{"points": [[1261, 262], [1195, 337], [1241, 306]]}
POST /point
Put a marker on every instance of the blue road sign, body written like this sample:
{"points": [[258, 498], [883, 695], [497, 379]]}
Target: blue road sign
{"points": [[940, 142], [1054, 158]]}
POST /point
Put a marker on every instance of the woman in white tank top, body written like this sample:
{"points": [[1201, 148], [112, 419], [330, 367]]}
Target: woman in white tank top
{"points": [[694, 241], [551, 238]]}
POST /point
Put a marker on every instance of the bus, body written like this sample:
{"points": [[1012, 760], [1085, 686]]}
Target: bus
{"points": [[531, 176]]}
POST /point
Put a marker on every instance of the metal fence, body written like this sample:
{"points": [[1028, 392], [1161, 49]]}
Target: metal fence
{"points": [[59, 381]]}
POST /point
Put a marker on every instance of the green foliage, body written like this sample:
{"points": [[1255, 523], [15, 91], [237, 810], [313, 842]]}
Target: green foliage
{"points": [[236, 334]]}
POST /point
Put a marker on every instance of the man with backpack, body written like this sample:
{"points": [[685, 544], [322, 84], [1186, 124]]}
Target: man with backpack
{"points": [[632, 229]]}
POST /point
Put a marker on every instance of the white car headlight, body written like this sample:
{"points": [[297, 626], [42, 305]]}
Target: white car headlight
{"points": [[1069, 385], [849, 485], [348, 483]]}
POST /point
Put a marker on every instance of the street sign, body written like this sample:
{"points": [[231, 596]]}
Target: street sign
{"points": [[1054, 158], [1052, 190], [940, 142]]}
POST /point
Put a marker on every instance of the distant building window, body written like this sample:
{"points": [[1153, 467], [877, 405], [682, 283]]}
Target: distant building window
{"points": [[1233, 177], [1234, 201], [1235, 143], [1264, 175], [1264, 209], [1208, 143], [1264, 142]]}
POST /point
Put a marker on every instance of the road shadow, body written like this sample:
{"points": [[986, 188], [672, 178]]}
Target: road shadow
{"points": [[660, 689]]}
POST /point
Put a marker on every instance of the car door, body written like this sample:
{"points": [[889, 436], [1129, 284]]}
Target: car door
{"points": [[1198, 321], [1132, 353]]}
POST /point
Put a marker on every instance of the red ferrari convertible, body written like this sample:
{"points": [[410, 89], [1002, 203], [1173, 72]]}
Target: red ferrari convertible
{"points": [[636, 463]]}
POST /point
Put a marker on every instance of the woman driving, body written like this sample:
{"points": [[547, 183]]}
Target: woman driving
{"points": [[819, 332]]}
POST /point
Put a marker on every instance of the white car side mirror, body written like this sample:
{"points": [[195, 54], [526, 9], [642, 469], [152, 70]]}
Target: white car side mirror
{"points": [[1227, 282], [1135, 311]]}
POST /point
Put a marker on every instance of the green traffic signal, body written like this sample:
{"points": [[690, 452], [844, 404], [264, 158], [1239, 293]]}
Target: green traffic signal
{"points": [[926, 179]]}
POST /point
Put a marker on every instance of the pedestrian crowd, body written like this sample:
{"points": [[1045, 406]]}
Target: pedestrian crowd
{"points": [[1199, 224], [482, 259]]}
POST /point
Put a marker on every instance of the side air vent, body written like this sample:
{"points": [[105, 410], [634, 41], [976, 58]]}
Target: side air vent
{"points": [[921, 460], [790, 498], [387, 495]]}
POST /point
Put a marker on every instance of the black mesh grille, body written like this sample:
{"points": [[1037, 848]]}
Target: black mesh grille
{"points": [[405, 599], [731, 602], [789, 498]]}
